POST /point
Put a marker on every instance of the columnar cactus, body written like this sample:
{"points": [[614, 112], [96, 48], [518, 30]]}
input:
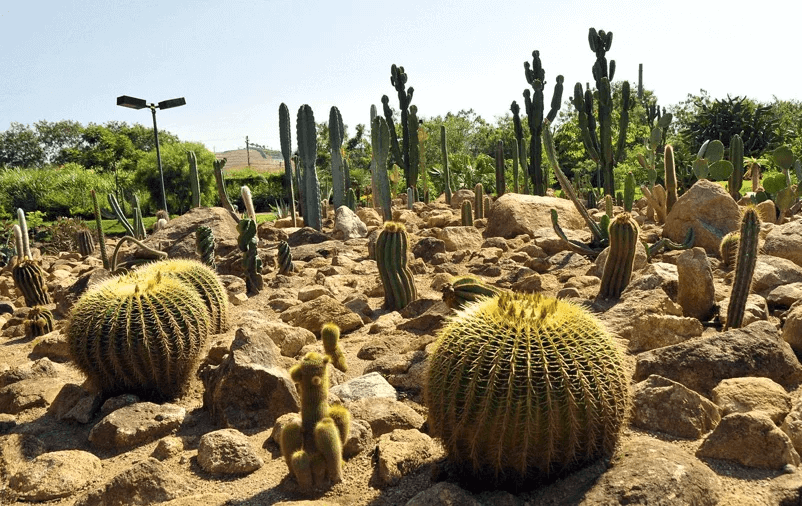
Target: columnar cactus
{"points": [[501, 182], [744, 268], [623, 234], [247, 199], [478, 200], [86, 244], [286, 151], [247, 242], [521, 386], [402, 155], [467, 214], [629, 192], [220, 179], [446, 173], [336, 134], [28, 276], [466, 289], [141, 333], [38, 322], [194, 180], [670, 178], [410, 197], [380, 142], [519, 145], [728, 249], [307, 148], [204, 245], [350, 199], [115, 206], [391, 258], [101, 238], [285, 266]]}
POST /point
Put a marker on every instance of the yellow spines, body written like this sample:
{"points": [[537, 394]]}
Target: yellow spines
{"points": [[330, 335]]}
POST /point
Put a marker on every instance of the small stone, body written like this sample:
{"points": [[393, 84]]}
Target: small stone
{"points": [[401, 452], [146, 482], [367, 386], [227, 451], [385, 415], [167, 447], [136, 425]]}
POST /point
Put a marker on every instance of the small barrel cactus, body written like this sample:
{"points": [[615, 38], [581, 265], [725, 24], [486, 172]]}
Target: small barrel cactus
{"points": [[39, 322], [728, 249], [467, 213], [522, 386], [285, 265], [623, 234], [85, 242], [391, 258], [140, 333], [30, 279], [745, 262], [204, 245], [464, 290]]}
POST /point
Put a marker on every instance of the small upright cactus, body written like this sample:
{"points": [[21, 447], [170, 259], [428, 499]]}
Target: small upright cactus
{"points": [[466, 289], [38, 322], [330, 335], [194, 180], [247, 242], [446, 173], [28, 276], [623, 234], [670, 178], [478, 201], [285, 266], [86, 245], [204, 245], [467, 213], [101, 238], [728, 249], [391, 258], [744, 268]]}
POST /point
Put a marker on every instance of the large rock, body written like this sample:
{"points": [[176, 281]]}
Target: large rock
{"points": [[250, 388], [29, 393], [428, 247], [709, 210], [313, 314], [667, 406], [362, 387], [177, 239], [739, 395], [792, 330], [461, 238], [53, 475], [772, 272], [401, 452], [755, 350], [289, 339], [370, 217], [227, 451], [514, 214], [785, 241], [385, 415], [136, 425], [792, 425], [145, 483], [695, 291], [658, 330], [347, 224]]}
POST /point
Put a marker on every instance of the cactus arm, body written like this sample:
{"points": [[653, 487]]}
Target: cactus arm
{"points": [[220, 179], [128, 238], [629, 192], [388, 117], [667, 244], [414, 147], [101, 239], [194, 180], [575, 246], [120, 216], [248, 200], [744, 268], [620, 152], [19, 242]]}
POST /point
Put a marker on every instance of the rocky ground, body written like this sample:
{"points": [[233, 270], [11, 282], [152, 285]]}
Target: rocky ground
{"points": [[717, 416]]}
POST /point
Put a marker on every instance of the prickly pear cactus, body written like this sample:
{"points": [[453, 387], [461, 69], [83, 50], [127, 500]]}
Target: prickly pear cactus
{"points": [[285, 266], [204, 245], [38, 322], [522, 386], [391, 258]]}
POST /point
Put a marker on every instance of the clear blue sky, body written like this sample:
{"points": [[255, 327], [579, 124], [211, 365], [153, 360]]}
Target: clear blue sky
{"points": [[235, 61]]}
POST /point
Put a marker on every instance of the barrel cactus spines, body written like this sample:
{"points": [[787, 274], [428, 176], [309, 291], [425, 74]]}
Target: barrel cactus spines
{"points": [[466, 289], [728, 249], [478, 201], [285, 266], [194, 180], [391, 258], [629, 192], [204, 246], [737, 158], [623, 234], [446, 173], [467, 213], [312, 446], [101, 238], [38, 322], [85, 242], [307, 148], [507, 414], [139, 333], [330, 335], [247, 242], [670, 177], [745, 262]]}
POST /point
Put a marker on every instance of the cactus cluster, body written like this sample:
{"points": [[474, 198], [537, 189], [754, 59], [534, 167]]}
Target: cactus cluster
{"points": [[391, 259], [38, 322], [464, 290], [285, 266], [204, 245], [623, 235], [745, 262], [521, 386]]}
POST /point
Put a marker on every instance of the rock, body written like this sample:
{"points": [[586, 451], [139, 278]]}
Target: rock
{"points": [[772, 272], [29, 393], [384, 415], [347, 224], [117, 402], [73, 403], [314, 314], [362, 387], [755, 350], [696, 293], [17, 450], [784, 296], [428, 247], [740, 395], [621, 318], [514, 214], [311, 292], [167, 447], [785, 241], [792, 424], [145, 483], [306, 235], [177, 239], [360, 439], [42, 368], [289, 339], [53, 346], [709, 210], [751, 439], [786, 489], [444, 494], [655, 275], [667, 406], [656, 331], [792, 330], [385, 343], [136, 425], [755, 310], [767, 211], [7, 423], [402, 452], [369, 216], [461, 238], [251, 387], [210, 499], [429, 322], [53, 475], [648, 471], [227, 451]]}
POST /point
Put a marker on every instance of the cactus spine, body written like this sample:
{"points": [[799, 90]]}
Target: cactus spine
{"points": [[670, 177], [140, 333], [446, 173], [728, 249], [194, 180], [101, 238], [86, 244], [38, 322], [478, 200], [307, 148], [737, 158], [623, 234], [286, 150], [467, 213], [745, 262], [204, 245], [380, 140], [285, 266], [336, 133], [391, 258], [522, 385], [247, 243]]}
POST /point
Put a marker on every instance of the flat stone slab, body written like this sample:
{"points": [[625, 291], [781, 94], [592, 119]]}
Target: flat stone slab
{"points": [[136, 425]]}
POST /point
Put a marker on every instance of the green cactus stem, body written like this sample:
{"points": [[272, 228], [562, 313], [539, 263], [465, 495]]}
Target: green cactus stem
{"points": [[85, 242], [519, 144], [247, 243], [285, 265], [515, 166], [608, 206], [410, 197], [23, 247], [391, 258], [144, 247], [667, 244], [402, 154], [670, 178], [501, 182], [728, 249], [194, 180], [286, 152], [629, 192], [350, 199], [101, 238], [523, 386], [38, 322], [745, 262], [478, 200], [623, 235], [467, 213], [307, 148], [330, 335], [220, 179], [29, 278], [139, 224], [336, 134], [115, 206], [380, 142], [204, 245], [414, 148], [466, 289], [446, 173]]}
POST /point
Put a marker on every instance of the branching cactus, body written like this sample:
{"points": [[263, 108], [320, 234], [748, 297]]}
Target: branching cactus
{"points": [[28, 276], [204, 245], [286, 151], [728, 249], [478, 201], [466, 289], [467, 213], [745, 262], [313, 446], [391, 258], [194, 180], [623, 234], [247, 242], [141, 333], [285, 266], [38, 322], [221, 188], [86, 244], [507, 414], [101, 238]]}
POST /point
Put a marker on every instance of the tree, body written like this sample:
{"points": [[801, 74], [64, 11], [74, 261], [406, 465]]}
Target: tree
{"points": [[56, 137], [19, 147]]}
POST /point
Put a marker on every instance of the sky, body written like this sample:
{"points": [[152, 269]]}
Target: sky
{"points": [[235, 62]]}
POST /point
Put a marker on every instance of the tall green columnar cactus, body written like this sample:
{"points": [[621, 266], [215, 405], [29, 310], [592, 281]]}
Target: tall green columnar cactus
{"points": [[380, 141], [204, 245], [391, 258], [501, 182], [247, 242], [285, 266], [745, 262], [194, 180], [670, 177], [410, 197], [285, 132], [629, 192], [515, 166], [478, 200], [536, 77], [401, 154], [623, 234], [23, 246], [141, 333], [467, 213], [307, 148], [506, 414], [139, 223], [101, 238], [414, 148], [220, 179], [737, 158], [446, 173], [336, 133], [350, 199], [520, 145]]}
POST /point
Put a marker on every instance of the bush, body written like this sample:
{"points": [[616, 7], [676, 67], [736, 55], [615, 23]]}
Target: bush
{"points": [[266, 188]]}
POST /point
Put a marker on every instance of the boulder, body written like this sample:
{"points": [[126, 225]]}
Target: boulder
{"points": [[369, 216], [461, 195], [755, 309], [461, 238], [772, 272], [29, 393], [144, 483], [750, 439], [514, 214], [305, 236], [54, 475], [401, 452], [740, 395], [667, 406], [785, 241], [792, 330], [695, 291], [227, 451], [16, 451], [177, 239], [657, 330], [347, 224], [367, 386], [312, 315], [784, 296], [385, 415], [135, 425], [709, 210], [289, 339], [428, 247]]}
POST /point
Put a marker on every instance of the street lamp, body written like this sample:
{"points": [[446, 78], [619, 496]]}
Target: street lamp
{"points": [[138, 103]]}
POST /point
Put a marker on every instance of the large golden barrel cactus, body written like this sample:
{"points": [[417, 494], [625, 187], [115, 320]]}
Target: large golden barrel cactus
{"points": [[140, 333], [523, 386]]}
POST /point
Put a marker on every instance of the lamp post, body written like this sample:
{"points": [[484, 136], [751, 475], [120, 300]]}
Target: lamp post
{"points": [[138, 103]]}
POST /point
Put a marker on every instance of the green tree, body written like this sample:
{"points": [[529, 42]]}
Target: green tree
{"points": [[56, 137], [19, 147]]}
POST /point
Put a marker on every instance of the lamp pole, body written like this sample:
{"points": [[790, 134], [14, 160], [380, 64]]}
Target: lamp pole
{"points": [[138, 103]]}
